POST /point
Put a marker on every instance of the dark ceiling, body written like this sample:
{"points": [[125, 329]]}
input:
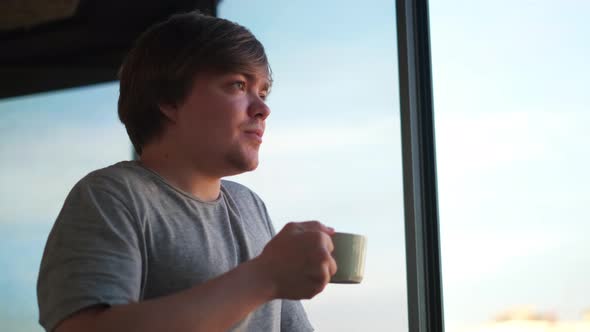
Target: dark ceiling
{"points": [[86, 47]]}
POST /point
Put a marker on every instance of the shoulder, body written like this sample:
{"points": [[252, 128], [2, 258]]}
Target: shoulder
{"points": [[242, 196], [239, 191], [234, 187], [122, 181], [106, 195], [249, 206], [124, 174]]}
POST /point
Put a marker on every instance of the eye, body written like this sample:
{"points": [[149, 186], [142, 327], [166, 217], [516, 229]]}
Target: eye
{"points": [[241, 85], [263, 95]]}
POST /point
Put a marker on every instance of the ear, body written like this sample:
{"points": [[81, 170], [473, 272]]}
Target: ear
{"points": [[170, 111]]}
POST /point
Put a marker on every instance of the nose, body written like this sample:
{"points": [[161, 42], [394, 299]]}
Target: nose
{"points": [[258, 109]]}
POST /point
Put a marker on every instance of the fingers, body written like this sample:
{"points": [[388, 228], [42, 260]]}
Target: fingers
{"points": [[323, 245], [319, 273], [322, 265], [311, 265], [319, 245], [328, 244], [320, 276], [329, 264], [316, 226], [332, 267]]}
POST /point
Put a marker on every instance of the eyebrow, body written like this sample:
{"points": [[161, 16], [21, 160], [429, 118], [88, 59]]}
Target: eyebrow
{"points": [[252, 77]]}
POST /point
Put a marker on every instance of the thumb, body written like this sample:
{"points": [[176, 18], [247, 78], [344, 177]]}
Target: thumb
{"points": [[316, 226]]}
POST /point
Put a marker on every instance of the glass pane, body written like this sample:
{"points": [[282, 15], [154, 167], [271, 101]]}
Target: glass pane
{"points": [[333, 147], [47, 143], [512, 124]]}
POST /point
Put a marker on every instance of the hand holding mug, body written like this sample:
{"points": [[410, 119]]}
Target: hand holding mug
{"points": [[298, 260]]}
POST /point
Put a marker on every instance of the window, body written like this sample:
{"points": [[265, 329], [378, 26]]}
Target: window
{"points": [[331, 153], [511, 106], [332, 148], [47, 143]]}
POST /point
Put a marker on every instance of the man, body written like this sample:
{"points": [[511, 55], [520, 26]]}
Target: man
{"points": [[163, 244]]}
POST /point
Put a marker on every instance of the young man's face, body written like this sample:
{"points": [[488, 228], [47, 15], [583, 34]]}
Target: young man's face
{"points": [[220, 124]]}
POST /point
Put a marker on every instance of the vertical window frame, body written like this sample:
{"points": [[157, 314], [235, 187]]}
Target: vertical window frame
{"points": [[423, 267]]}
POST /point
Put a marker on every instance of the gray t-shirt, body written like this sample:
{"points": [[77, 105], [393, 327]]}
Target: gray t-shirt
{"points": [[125, 235]]}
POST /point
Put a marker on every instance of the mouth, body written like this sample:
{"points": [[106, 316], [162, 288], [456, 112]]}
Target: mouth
{"points": [[255, 134]]}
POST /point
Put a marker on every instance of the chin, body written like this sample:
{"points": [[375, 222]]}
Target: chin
{"points": [[251, 166], [242, 164], [242, 159]]}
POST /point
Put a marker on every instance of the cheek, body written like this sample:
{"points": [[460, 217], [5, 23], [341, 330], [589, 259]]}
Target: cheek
{"points": [[216, 119], [228, 115]]}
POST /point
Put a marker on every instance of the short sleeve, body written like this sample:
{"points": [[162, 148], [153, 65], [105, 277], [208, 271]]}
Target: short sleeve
{"points": [[92, 256], [294, 318]]}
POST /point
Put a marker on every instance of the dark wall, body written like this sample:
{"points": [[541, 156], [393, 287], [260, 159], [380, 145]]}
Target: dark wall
{"points": [[84, 49]]}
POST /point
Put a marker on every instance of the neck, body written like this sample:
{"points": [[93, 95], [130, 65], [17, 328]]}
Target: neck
{"points": [[180, 172]]}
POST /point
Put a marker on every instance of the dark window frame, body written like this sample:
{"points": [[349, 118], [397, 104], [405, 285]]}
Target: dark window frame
{"points": [[424, 280]]}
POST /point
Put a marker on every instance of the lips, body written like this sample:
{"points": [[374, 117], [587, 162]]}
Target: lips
{"points": [[255, 133], [258, 132]]}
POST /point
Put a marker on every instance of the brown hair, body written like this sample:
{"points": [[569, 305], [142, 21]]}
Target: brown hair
{"points": [[162, 65]]}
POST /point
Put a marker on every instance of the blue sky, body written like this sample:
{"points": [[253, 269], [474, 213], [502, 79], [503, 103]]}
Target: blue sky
{"points": [[512, 120], [511, 107]]}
